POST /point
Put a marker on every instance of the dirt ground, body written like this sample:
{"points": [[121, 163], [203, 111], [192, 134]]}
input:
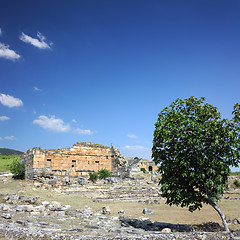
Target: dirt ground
{"points": [[163, 212]]}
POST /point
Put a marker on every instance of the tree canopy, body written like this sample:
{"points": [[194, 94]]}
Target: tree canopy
{"points": [[195, 149], [17, 169]]}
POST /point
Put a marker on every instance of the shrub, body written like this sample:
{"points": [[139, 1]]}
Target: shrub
{"points": [[93, 177], [237, 183], [143, 170], [104, 173], [17, 169]]}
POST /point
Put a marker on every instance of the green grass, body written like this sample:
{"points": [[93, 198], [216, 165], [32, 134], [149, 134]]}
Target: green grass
{"points": [[5, 161], [235, 174]]}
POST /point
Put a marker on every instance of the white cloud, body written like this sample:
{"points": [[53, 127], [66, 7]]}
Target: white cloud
{"points": [[4, 118], [11, 138], [10, 101], [0, 32], [6, 52], [52, 124], [136, 148], [39, 43], [83, 131], [132, 136], [36, 89], [74, 120]]}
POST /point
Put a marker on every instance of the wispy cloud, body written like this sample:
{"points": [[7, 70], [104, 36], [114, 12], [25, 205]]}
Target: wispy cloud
{"points": [[36, 89], [39, 42], [0, 32], [4, 118], [132, 136], [7, 53], [52, 123], [136, 148], [11, 138], [83, 131], [10, 101], [74, 120]]}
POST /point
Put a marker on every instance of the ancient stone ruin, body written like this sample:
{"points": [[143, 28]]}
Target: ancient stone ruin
{"points": [[78, 161]]}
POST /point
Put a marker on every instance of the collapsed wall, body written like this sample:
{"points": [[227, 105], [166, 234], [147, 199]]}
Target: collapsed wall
{"points": [[73, 162]]}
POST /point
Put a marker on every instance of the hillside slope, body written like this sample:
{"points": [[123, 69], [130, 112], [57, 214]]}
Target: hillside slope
{"points": [[7, 151]]}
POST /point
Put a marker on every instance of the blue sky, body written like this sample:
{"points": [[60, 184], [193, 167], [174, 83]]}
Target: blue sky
{"points": [[101, 71]]}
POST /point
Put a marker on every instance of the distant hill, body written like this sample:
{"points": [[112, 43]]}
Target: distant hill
{"points": [[7, 151]]}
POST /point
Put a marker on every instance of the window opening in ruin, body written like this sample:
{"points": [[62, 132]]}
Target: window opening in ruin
{"points": [[150, 168], [106, 157], [88, 162], [96, 161], [48, 163], [73, 165]]}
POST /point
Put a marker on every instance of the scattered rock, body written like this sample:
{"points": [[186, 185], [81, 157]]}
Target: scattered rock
{"points": [[6, 216], [166, 230], [106, 210], [82, 180], [54, 205], [148, 211], [236, 221], [23, 223], [6, 208]]}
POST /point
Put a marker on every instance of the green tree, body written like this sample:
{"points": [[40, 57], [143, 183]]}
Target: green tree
{"points": [[93, 177], [17, 169], [195, 149], [104, 173]]}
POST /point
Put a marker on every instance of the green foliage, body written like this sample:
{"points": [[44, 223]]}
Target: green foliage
{"points": [[17, 169], [237, 183], [104, 173], [5, 161], [93, 177], [195, 149], [136, 158], [143, 170]]}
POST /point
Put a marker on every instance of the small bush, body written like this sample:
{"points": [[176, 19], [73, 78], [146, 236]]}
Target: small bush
{"points": [[143, 170], [93, 177], [17, 169], [237, 183], [104, 173]]}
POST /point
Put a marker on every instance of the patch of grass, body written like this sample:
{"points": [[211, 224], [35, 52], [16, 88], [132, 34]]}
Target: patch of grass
{"points": [[235, 174], [6, 160]]}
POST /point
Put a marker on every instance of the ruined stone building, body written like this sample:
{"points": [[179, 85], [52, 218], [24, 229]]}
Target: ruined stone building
{"points": [[78, 160], [134, 165]]}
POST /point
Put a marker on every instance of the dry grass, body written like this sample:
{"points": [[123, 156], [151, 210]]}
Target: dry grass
{"points": [[163, 212]]}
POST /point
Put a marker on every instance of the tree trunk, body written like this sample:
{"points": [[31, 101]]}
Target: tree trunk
{"points": [[220, 213]]}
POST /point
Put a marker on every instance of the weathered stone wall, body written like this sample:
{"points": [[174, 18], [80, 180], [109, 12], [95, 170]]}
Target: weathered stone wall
{"points": [[32, 159], [149, 166], [80, 159]]}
